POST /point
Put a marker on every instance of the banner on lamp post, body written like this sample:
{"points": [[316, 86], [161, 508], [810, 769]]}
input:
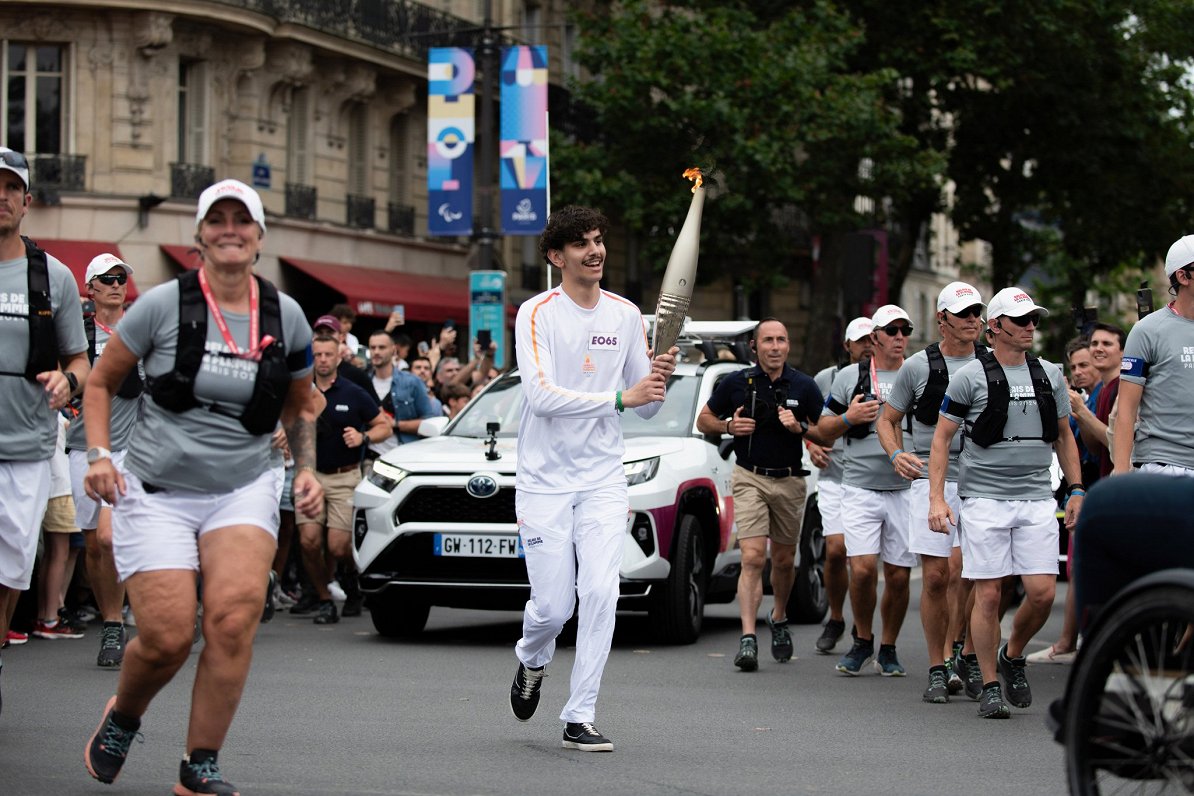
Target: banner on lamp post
{"points": [[450, 136], [524, 140]]}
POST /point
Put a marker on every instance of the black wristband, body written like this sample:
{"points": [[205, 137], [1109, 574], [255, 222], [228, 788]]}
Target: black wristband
{"points": [[72, 381], [1069, 490]]}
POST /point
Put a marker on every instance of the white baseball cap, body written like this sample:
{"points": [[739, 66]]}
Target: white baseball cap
{"points": [[231, 189], [858, 329], [957, 296], [888, 313], [1181, 254], [102, 264], [16, 163], [1014, 302]]}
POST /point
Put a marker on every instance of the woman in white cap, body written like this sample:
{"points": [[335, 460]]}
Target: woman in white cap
{"points": [[225, 356]]}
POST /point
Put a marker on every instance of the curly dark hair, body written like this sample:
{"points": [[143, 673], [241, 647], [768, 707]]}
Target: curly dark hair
{"points": [[569, 224]]}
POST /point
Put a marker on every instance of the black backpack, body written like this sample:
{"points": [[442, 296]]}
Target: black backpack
{"points": [[43, 337], [175, 391], [987, 430], [132, 386]]}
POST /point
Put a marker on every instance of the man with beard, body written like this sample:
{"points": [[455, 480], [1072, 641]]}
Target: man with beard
{"points": [[917, 394], [403, 396]]}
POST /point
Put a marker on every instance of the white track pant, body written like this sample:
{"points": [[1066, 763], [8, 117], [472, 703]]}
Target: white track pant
{"points": [[573, 546]]}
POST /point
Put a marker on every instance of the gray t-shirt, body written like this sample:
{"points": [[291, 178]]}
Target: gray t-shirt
{"points": [[910, 384], [866, 463], [832, 472], [1164, 342], [200, 450], [123, 417], [1012, 470], [28, 427]]}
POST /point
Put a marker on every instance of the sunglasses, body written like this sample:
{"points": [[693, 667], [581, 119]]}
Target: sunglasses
{"points": [[975, 311], [14, 159], [893, 330], [113, 279], [1033, 317]]}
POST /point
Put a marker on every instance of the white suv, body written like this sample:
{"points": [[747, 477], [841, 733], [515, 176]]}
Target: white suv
{"points": [[435, 525]]}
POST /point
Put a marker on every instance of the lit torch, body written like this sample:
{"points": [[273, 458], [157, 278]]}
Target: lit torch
{"points": [[675, 292]]}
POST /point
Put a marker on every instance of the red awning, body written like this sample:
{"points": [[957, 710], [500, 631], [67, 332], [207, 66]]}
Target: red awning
{"points": [[185, 256], [374, 292], [76, 254]]}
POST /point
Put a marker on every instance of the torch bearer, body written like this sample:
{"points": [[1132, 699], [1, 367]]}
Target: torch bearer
{"points": [[675, 293]]}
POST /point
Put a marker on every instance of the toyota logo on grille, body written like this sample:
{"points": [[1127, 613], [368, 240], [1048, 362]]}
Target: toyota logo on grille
{"points": [[482, 486]]}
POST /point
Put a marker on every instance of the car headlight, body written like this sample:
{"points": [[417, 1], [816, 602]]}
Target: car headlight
{"points": [[386, 476], [641, 471]]}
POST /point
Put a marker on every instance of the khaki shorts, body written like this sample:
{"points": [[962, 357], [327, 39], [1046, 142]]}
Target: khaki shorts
{"points": [[60, 516], [772, 507], [338, 489]]}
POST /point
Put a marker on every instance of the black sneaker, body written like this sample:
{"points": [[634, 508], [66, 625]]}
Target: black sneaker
{"points": [[747, 658], [886, 662], [991, 705], [352, 605], [1012, 670], [267, 613], [781, 640], [524, 691], [834, 629], [584, 736], [72, 621], [938, 691], [199, 774], [327, 613], [111, 652], [108, 746], [307, 604], [853, 661], [973, 677]]}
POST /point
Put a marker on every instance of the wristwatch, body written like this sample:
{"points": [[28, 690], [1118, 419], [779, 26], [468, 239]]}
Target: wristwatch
{"points": [[95, 454]]}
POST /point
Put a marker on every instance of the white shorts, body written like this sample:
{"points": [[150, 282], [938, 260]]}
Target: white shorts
{"points": [[876, 523], [87, 510], [1008, 537], [829, 502], [161, 530], [24, 494], [921, 540], [1166, 469]]}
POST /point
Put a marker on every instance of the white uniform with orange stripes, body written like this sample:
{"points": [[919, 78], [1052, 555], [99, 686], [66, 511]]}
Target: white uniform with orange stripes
{"points": [[571, 501]]}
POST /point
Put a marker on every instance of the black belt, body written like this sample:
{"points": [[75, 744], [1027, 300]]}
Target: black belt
{"points": [[774, 472], [348, 468]]}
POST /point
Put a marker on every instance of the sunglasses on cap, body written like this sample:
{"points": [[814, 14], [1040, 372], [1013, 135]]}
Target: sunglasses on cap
{"points": [[1033, 317], [112, 279], [894, 329], [974, 311], [14, 159]]}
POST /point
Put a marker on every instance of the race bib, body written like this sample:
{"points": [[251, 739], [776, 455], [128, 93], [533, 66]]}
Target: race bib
{"points": [[602, 341]]}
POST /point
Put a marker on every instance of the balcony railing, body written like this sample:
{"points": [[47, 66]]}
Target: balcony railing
{"points": [[300, 200], [53, 174], [187, 180], [401, 219], [399, 26], [360, 213]]}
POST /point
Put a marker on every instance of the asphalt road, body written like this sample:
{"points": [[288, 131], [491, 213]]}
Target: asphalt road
{"points": [[338, 710]]}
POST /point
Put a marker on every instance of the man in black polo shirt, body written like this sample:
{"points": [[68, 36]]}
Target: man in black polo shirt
{"points": [[768, 408], [351, 420]]}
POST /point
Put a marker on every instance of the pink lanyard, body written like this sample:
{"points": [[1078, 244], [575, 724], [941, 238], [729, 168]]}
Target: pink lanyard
{"points": [[875, 381], [107, 331], [254, 350]]}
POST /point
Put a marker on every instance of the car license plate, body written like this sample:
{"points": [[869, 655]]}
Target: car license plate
{"points": [[475, 545]]}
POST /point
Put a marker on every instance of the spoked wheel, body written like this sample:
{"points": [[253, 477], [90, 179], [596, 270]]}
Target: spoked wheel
{"points": [[1129, 724]]}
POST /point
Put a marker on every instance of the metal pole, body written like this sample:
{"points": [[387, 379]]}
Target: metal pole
{"points": [[486, 235]]}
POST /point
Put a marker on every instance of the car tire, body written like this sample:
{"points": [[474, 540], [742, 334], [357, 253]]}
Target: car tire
{"points": [[809, 601], [677, 610], [396, 616]]}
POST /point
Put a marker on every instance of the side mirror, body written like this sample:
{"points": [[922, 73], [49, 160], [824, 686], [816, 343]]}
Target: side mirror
{"points": [[432, 426]]}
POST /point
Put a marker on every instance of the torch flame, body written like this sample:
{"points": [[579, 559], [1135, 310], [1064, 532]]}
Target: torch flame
{"points": [[694, 174]]}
